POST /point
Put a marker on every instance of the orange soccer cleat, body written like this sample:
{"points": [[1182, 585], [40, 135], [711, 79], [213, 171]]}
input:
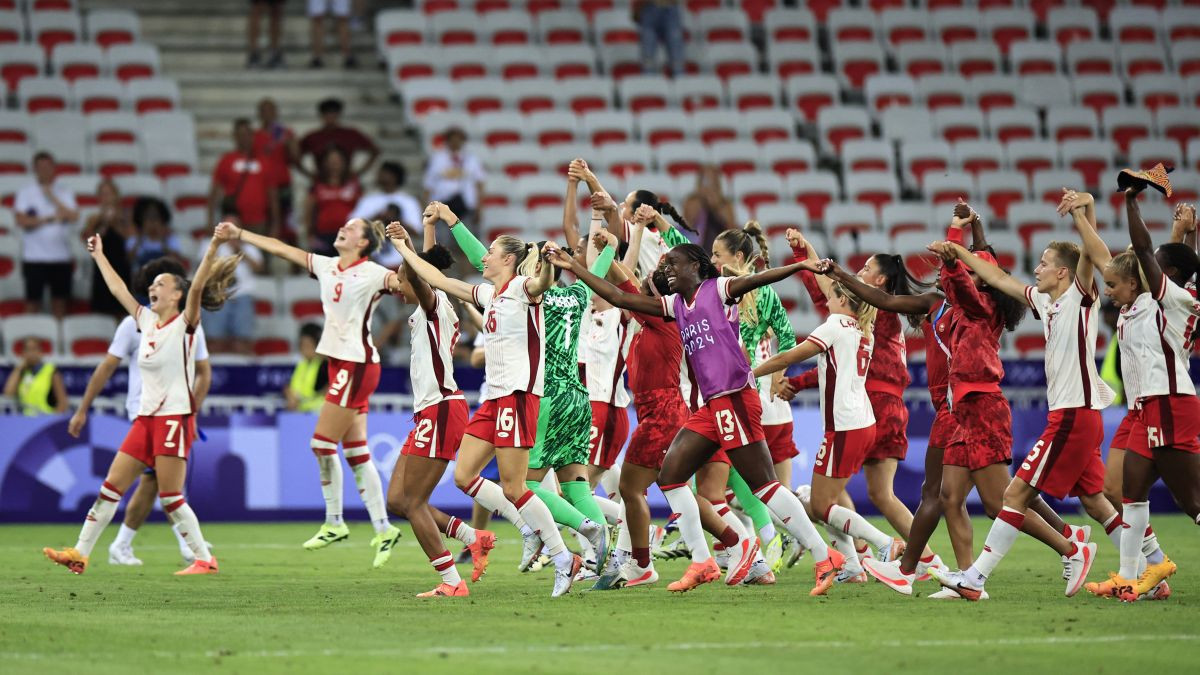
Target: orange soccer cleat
{"points": [[445, 590], [696, 574], [68, 558], [826, 572], [199, 567], [484, 542]]}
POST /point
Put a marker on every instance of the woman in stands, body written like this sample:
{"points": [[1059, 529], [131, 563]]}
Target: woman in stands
{"points": [[505, 425], [351, 286], [162, 434], [730, 419], [330, 200]]}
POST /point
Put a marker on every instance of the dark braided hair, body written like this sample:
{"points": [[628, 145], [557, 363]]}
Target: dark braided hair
{"points": [[1181, 257], [900, 282], [706, 269], [439, 256], [662, 206]]}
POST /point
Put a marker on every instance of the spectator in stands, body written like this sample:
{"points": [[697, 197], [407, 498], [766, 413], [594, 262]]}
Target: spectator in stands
{"points": [[275, 26], [152, 236], [305, 392], [390, 202], [278, 143], [317, 9], [243, 182], [45, 211], [330, 200], [708, 208], [349, 140], [660, 21], [230, 330], [454, 176], [35, 383], [112, 223]]}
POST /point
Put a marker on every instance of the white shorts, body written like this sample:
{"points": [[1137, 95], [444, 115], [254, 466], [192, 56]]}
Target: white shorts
{"points": [[323, 7]]}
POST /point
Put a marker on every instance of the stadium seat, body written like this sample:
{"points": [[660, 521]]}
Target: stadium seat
{"points": [[565, 62], [699, 92], [1006, 25], [10, 181], [613, 26], [1068, 24], [1185, 54], [787, 24], [1141, 58], [507, 27], [500, 127], [517, 159], [1035, 57], [1009, 247], [168, 126], [276, 335], [187, 192], [813, 191], [10, 260], [953, 26], [729, 59], [845, 217], [76, 61], [788, 59], [855, 61], [1145, 153], [1012, 124], [972, 58], [1098, 92], [900, 217], [455, 28], [153, 94], [755, 188], [901, 25], [1134, 24], [1028, 219], [995, 91], [19, 61], [877, 188], [947, 188], [267, 297], [1045, 91], [301, 298], [50, 29], [788, 157], [1000, 189], [623, 158], [847, 24], [42, 328], [428, 95], [919, 59], [581, 95], [734, 157], [639, 93], [14, 160], [1125, 125], [398, 27], [562, 27], [753, 92], [940, 91], [977, 156], [906, 124], [656, 127], [1031, 155], [134, 185], [1177, 123], [131, 62], [540, 190], [113, 160], [886, 90], [959, 124], [12, 27], [169, 159], [717, 125], [113, 127], [722, 25], [811, 94], [1091, 158], [854, 249], [1047, 184], [1066, 123], [1181, 23], [87, 335], [14, 127], [920, 157], [776, 219], [867, 154], [1091, 57], [41, 94], [837, 124], [911, 246], [514, 62], [1157, 91]]}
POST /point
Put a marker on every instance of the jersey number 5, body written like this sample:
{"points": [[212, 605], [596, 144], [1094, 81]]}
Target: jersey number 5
{"points": [[337, 292]]}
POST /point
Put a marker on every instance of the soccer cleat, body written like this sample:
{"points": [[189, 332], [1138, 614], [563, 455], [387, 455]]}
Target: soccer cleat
{"points": [[1153, 576], [586, 573], [677, 550], [610, 577], [957, 582], [696, 574], [1105, 589], [774, 553], [850, 576], [122, 555], [923, 568], [891, 551], [826, 571], [199, 567], [445, 590], [597, 536], [68, 558], [795, 552], [564, 578], [889, 574], [759, 573], [721, 555], [1081, 564], [1160, 592], [485, 541], [532, 545], [463, 557], [741, 558], [1081, 534], [328, 534], [949, 594], [384, 543], [633, 574], [657, 535], [541, 562]]}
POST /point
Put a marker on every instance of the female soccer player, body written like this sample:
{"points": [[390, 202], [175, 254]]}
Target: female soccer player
{"points": [[351, 286], [162, 434], [505, 425], [1156, 332], [730, 417], [441, 419]]}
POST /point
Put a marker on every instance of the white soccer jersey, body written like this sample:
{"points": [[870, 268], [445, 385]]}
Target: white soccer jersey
{"points": [[1156, 333], [125, 345], [166, 361], [515, 349], [775, 411], [607, 339], [348, 296], [842, 373], [432, 364], [653, 248], [1070, 324]]}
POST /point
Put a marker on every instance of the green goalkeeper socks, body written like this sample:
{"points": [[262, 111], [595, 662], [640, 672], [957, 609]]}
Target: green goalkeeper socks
{"points": [[750, 504], [561, 509], [579, 493]]}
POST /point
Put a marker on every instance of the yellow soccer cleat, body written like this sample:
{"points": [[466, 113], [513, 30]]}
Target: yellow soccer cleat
{"points": [[328, 534], [1105, 589], [445, 590], [384, 543], [1150, 579], [68, 558]]}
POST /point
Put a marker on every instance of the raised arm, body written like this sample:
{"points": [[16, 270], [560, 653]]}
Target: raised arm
{"points": [[467, 243], [570, 217], [611, 214], [1183, 225], [899, 304], [116, 285], [957, 284], [772, 314], [817, 286], [637, 230], [191, 311], [1082, 208], [801, 352], [739, 286], [424, 294], [990, 274], [545, 278], [277, 248], [1143, 245], [634, 302], [432, 275]]}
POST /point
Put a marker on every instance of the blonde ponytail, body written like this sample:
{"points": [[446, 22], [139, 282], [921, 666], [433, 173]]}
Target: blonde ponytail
{"points": [[864, 312]]}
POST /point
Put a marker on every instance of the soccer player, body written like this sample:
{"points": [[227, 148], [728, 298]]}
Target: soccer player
{"points": [[730, 417], [161, 436], [1156, 332], [124, 346], [505, 425], [351, 285], [441, 419]]}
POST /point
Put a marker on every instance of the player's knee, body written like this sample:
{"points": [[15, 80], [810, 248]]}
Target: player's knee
{"points": [[463, 477], [820, 506], [396, 503], [950, 500], [880, 494]]}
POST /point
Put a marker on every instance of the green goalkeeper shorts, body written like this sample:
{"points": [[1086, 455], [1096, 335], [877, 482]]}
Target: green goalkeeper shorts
{"points": [[564, 428]]}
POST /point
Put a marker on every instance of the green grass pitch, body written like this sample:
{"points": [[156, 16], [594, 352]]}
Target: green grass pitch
{"points": [[277, 608]]}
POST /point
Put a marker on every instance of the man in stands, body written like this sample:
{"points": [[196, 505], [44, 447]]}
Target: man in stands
{"points": [[244, 183], [45, 212], [454, 177], [349, 140], [278, 144]]}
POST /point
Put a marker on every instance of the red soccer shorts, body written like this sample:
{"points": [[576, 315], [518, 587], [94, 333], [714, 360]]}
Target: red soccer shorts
{"points": [[1066, 459], [610, 430], [159, 435], [842, 452], [351, 384], [439, 430], [984, 433], [891, 426], [507, 422], [661, 414], [1170, 422], [1130, 432], [731, 421], [780, 442], [943, 428]]}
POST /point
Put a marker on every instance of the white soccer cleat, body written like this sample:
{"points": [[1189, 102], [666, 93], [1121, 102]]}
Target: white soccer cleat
{"points": [[633, 574], [923, 568], [1078, 566], [948, 594], [890, 551], [597, 538], [722, 556], [795, 551], [1081, 534], [741, 558], [564, 576], [760, 573], [123, 555], [889, 574], [531, 546], [958, 582], [657, 535]]}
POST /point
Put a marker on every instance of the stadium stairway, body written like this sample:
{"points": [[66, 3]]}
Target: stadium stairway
{"points": [[203, 47]]}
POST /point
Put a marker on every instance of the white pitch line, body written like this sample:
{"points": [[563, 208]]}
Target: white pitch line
{"points": [[614, 647]]}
